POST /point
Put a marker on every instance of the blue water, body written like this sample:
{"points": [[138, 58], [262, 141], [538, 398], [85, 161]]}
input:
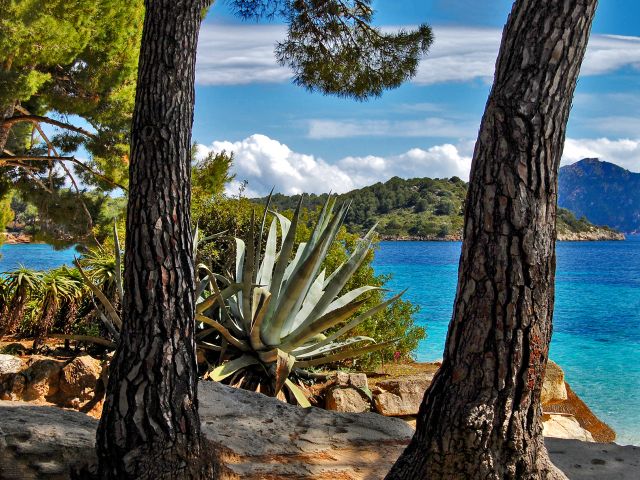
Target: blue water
{"points": [[596, 337], [34, 255]]}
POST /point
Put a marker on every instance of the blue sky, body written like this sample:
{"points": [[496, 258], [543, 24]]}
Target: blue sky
{"points": [[298, 141]]}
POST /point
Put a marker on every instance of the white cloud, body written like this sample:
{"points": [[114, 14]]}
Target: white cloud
{"points": [[242, 54], [622, 152], [266, 163]]}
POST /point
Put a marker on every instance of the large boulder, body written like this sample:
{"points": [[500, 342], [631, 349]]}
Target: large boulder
{"points": [[80, 377], [42, 379], [553, 386], [564, 426], [262, 438], [402, 396], [11, 383], [347, 399]]}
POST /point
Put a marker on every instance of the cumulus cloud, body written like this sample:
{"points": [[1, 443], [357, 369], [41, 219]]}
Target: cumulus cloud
{"points": [[242, 54], [622, 152], [265, 163]]}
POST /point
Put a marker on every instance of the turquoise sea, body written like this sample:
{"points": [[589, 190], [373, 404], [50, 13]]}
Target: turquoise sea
{"points": [[597, 318], [596, 337]]}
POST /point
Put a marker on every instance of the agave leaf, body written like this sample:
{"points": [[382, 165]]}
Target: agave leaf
{"points": [[240, 256], [202, 286], [262, 225], [239, 344], [294, 263], [248, 274], [353, 323], [196, 235], [261, 301], [268, 334], [313, 296], [111, 311], [342, 276], [297, 392], [332, 276], [321, 225], [217, 296], [266, 269], [301, 279], [229, 368], [118, 263], [285, 224], [349, 297], [310, 328], [284, 364], [332, 346], [336, 357]]}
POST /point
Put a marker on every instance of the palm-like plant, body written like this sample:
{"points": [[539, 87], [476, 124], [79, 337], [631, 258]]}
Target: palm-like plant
{"points": [[272, 317], [58, 288], [19, 284]]}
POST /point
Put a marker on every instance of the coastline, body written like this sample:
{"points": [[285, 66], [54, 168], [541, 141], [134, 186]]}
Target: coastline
{"points": [[595, 235], [17, 238]]}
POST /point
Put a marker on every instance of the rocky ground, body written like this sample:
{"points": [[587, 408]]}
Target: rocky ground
{"points": [[260, 437]]}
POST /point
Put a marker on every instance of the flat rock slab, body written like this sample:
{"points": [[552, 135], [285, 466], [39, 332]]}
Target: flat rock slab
{"points": [[594, 461], [262, 438]]}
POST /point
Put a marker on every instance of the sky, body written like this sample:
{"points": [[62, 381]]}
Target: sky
{"points": [[285, 137]]}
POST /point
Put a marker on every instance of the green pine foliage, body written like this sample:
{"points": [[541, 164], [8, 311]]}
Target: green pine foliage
{"points": [[424, 208]]}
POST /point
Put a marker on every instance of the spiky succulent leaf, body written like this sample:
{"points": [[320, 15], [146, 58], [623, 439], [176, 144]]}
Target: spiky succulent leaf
{"points": [[229, 368]]}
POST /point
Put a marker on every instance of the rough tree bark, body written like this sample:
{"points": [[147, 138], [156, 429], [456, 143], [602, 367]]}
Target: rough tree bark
{"points": [[481, 417], [150, 427]]}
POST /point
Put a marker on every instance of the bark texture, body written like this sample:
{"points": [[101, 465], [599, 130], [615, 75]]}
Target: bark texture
{"points": [[481, 417], [150, 426]]}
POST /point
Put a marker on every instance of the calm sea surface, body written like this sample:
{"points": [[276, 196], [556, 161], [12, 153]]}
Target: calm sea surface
{"points": [[596, 336]]}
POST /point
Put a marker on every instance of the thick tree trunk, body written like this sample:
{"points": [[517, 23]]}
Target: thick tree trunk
{"points": [[481, 417], [150, 426]]}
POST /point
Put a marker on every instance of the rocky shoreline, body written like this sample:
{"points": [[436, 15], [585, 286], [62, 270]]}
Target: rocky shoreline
{"points": [[17, 238], [595, 235]]}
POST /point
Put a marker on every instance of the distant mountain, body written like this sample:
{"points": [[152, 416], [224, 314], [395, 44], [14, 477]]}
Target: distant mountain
{"points": [[425, 209], [604, 193]]}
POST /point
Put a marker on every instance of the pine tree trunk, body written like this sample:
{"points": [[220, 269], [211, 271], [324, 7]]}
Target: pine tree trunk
{"points": [[150, 428], [480, 419]]}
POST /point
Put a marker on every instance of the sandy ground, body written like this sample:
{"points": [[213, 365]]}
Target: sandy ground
{"points": [[594, 461]]}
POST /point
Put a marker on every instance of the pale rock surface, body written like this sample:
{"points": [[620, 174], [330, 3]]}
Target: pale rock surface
{"points": [[346, 399], [401, 396], [553, 386], [564, 426], [80, 377], [261, 438]]}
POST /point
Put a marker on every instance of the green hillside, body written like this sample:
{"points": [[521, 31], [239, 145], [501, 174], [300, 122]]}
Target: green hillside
{"points": [[424, 208]]}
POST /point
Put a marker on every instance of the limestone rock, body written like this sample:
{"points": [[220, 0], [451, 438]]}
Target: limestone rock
{"points": [[261, 438], [347, 399], [553, 387], [358, 380], [564, 426], [10, 365], [42, 442], [400, 397], [42, 378], [80, 377]]}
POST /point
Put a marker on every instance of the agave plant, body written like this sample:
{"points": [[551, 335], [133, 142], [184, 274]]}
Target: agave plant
{"points": [[279, 311]]}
